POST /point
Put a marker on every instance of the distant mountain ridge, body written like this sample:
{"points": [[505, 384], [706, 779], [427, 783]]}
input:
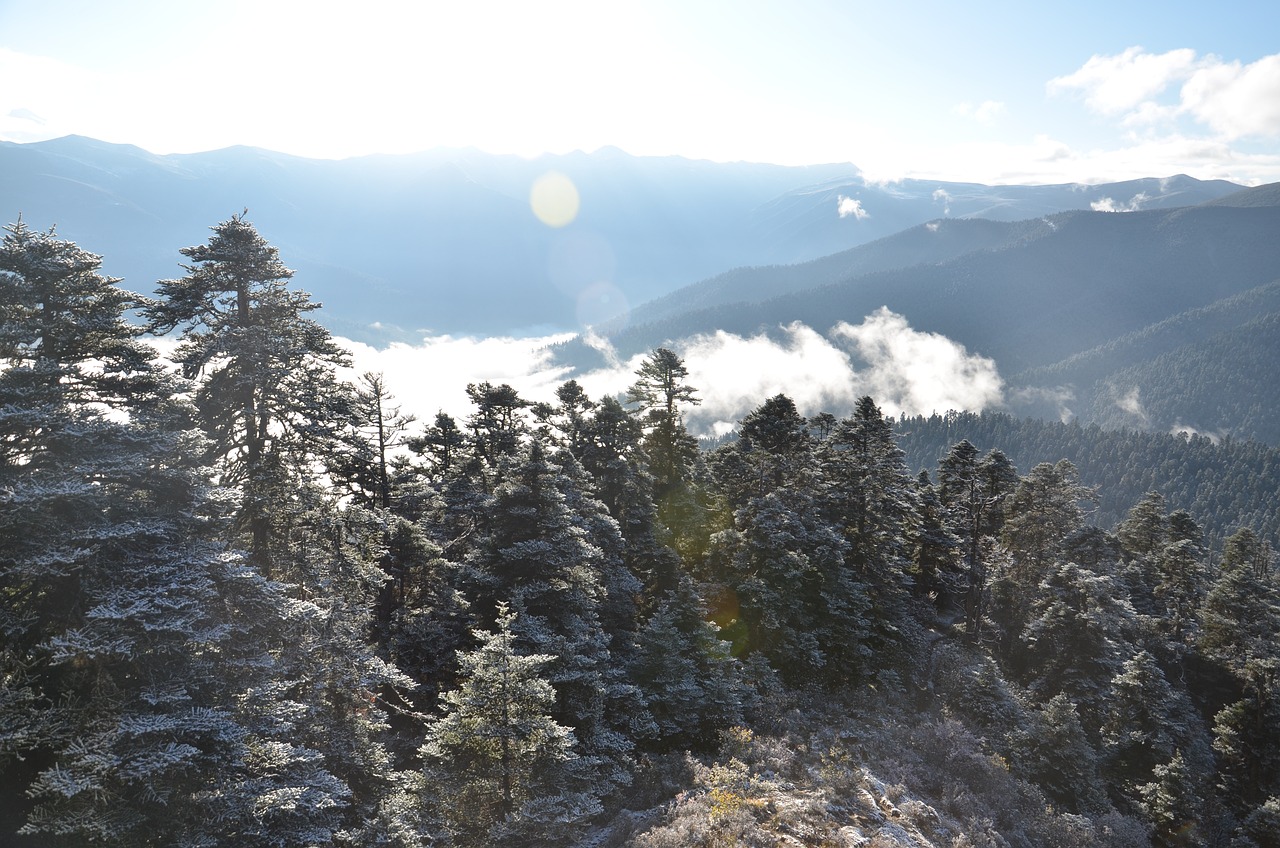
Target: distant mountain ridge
{"points": [[444, 241], [1028, 293], [1160, 320]]}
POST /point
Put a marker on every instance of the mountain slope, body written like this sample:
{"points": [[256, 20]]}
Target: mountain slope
{"points": [[1061, 285]]}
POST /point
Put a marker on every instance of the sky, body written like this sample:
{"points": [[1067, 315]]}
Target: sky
{"points": [[994, 92]]}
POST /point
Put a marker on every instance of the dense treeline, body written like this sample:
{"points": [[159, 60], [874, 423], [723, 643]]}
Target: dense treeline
{"points": [[1226, 485], [248, 603]]}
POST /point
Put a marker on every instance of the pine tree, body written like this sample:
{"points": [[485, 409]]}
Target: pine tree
{"points": [[867, 493], [534, 553], [1240, 617], [1138, 733], [1042, 513], [659, 392], [782, 569], [1173, 802], [275, 412], [1055, 753], [609, 449], [363, 459], [1075, 639], [497, 425], [933, 548], [973, 490]]}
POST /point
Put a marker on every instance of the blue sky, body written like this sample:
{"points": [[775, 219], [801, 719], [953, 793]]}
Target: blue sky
{"points": [[981, 91]]}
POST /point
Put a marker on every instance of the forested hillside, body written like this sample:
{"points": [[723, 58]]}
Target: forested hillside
{"points": [[1227, 485], [244, 602]]}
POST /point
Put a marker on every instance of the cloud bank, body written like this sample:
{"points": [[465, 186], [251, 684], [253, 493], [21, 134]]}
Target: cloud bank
{"points": [[903, 369], [1232, 99]]}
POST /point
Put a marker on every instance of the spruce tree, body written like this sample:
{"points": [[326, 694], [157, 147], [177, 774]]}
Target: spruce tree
{"points": [[690, 681]]}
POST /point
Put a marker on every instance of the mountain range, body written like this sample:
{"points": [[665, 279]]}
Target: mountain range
{"points": [[1152, 304], [1159, 319], [445, 241]]}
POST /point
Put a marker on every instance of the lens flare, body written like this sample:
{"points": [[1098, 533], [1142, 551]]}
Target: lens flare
{"points": [[603, 302], [554, 199]]}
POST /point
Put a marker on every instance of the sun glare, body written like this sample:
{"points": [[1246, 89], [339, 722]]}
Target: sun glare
{"points": [[554, 199]]}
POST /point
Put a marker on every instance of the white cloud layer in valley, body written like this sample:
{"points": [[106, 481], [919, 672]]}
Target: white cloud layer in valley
{"points": [[903, 369]]}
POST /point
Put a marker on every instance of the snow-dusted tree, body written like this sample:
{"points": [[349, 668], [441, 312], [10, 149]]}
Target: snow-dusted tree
{"points": [[1054, 752], [659, 392], [496, 760], [136, 649], [934, 548], [1075, 640], [267, 394], [1248, 753], [973, 491], [691, 682], [868, 494], [534, 553], [497, 425], [782, 572], [275, 413], [1240, 617], [1140, 730], [1042, 513], [1173, 803], [362, 461], [608, 447], [774, 449]]}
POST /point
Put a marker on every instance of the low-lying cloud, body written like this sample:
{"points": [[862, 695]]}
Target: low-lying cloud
{"points": [[1108, 204], [849, 207], [903, 369]]}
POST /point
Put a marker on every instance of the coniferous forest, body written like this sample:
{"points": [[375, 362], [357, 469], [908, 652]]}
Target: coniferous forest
{"points": [[244, 602]]}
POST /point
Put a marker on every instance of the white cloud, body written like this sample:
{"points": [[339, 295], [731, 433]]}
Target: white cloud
{"points": [[735, 374], [902, 369], [1113, 85], [941, 195], [1232, 99], [1108, 204], [433, 376], [1131, 404], [1180, 429], [917, 372], [1237, 100], [848, 206], [1038, 401]]}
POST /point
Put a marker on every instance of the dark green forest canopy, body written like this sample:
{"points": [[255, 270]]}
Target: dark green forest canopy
{"points": [[1225, 484]]}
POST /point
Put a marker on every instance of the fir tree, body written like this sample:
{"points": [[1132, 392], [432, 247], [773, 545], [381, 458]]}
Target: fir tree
{"points": [[268, 395], [691, 683], [496, 757]]}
